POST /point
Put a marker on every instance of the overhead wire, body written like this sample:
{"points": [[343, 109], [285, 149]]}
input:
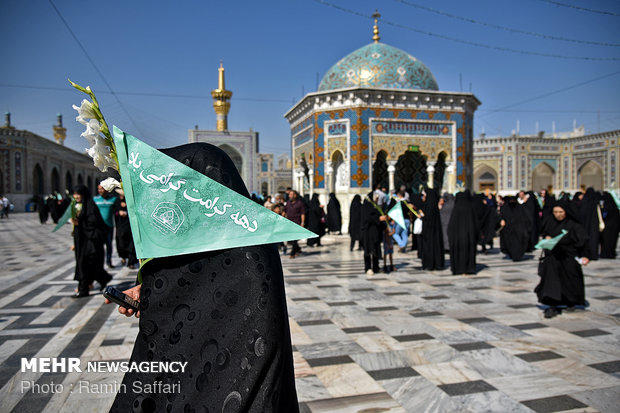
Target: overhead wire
{"points": [[572, 6], [469, 42], [551, 93], [92, 62], [508, 29]]}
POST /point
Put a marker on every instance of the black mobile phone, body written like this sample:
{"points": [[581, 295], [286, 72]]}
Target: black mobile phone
{"points": [[121, 298]]}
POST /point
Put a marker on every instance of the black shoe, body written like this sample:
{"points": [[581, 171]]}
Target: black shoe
{"points": [[550, 312], [79, 295]]}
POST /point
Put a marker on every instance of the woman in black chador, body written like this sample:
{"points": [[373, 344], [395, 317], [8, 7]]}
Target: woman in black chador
{"points": [[89, 234], [515, 233], [355, 217], [561, 279], [334, 217], [372, 228], [589, 219], [223, 312], [124, 239], [611, 217], [316, 220], [463, 234], [432, 238]]}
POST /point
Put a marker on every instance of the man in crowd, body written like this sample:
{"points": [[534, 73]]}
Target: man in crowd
{"points": [[296, 212], [105, 201]]}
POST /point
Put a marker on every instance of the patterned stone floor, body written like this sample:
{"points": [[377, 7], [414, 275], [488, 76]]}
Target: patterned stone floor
{"points": [[408, 341]]}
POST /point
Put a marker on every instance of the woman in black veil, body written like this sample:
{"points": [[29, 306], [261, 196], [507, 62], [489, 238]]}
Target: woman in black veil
{"points": [[611, 217], [515, 233], [589, 218], [316, 220], [432, 238], [355, 216], [89, 232], [334, 217], [223, 312], [463, 231], [561, 278]]}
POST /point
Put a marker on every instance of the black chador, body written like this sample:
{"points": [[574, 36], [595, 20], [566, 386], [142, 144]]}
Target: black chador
{"points": [[372, 234], [561, 277], [124, 239], [589, 219], [334, 217], [316, 220], [355, 217], [445, 213], [223, 312], [88, 239], [514, 236], [609, 236], [463, 235], [432, 238]]}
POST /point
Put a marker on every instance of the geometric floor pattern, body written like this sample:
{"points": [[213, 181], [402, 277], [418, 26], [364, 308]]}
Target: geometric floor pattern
{"points": [[408, 341]]}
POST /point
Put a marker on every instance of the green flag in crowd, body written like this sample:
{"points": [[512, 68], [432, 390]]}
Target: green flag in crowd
{"points": [[175, 210], [396, 213], [550, 243]]}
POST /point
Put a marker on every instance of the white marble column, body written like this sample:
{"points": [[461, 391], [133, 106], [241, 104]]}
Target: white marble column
{"points": [[391, 170], [430, 170], [451, 170], [329, 174], [311, 180]]}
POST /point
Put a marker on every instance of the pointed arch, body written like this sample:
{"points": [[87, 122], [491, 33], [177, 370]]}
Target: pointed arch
{"points": [[379, 170], [543, 176], [235, 156], [591, 175], [38, 182]]}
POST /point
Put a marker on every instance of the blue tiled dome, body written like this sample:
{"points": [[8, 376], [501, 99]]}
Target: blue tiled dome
{"points": [[378, 65]]}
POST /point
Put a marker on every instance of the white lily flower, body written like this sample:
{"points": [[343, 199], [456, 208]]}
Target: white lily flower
{"points": [[93, 127], [101, 155], [85, 112], [109, 184]]}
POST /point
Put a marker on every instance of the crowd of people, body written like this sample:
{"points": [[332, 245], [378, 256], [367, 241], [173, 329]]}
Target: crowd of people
{"points": [[97, 222], [466, 224]]}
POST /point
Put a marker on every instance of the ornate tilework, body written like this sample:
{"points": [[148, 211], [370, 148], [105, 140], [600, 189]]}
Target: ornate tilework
{"points": [[381, 66]]}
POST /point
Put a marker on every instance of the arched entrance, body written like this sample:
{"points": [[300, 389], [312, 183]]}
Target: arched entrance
{"points": [[264, 189], [235, 156], [542, 177], [411, 171], [55, 180], [591, 175], [69, 182], [440, 170], [379, 171], [339, 174], [485, 177], [38, 184], [80, 180]]}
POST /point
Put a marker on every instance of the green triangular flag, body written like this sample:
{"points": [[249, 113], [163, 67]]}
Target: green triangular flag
{"points": [[175, 210], [396, 213], [64, 218], [549, 244]]}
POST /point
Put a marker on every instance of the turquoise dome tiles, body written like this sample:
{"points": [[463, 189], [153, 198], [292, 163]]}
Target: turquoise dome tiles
{"points": [[378, 65]]}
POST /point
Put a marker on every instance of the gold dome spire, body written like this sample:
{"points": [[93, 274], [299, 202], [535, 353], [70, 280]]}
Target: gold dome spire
{"points": [[375, 29], [221, 101]]}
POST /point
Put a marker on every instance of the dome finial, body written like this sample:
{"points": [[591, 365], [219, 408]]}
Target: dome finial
{"points": [[375, 29]]}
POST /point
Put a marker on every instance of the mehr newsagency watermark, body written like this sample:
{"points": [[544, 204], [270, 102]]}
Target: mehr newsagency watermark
{"points": [[74, 365]]}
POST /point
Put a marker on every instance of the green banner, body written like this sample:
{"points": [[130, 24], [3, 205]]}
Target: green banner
{"points": [[65, 217], [175, 210], [396, 213], [550, 243]]}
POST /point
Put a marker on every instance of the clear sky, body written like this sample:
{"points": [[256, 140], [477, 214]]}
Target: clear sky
{"points": [[160, 58]]}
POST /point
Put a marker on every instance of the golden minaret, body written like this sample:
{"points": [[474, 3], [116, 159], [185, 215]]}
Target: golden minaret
{"points": [[375, 29], [60, 133], [221, 101]]}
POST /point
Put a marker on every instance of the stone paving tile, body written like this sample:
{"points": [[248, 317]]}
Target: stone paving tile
{"points": [[408, 341]]}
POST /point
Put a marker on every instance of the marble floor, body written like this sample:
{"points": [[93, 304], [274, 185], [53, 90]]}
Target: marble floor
{"points": [[407, 341]]}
